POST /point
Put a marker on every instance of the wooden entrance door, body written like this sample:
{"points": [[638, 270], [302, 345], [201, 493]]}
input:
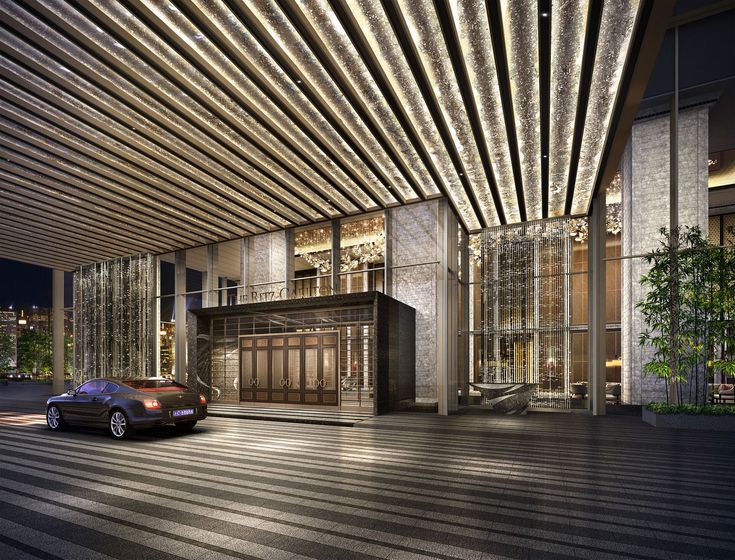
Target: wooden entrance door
{"points": [[255, 364], [296, 368]]}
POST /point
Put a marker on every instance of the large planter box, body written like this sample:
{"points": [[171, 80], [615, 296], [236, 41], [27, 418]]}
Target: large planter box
{"points": [[724, 422]]}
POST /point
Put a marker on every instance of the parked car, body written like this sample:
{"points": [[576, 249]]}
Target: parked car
{"points": [[125, 404]]}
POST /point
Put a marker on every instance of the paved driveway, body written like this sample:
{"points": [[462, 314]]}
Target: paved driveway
{"points": [[402, 486]]}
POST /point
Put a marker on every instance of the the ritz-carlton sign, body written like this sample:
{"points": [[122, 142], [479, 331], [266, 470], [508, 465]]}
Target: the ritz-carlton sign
{"points": [[261, 296]]}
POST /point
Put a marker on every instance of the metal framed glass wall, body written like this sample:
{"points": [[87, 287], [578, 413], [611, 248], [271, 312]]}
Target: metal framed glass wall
{"points": [[353, 328]]}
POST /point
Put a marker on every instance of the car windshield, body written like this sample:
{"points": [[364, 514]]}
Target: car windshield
{"points": [[155, 385]]}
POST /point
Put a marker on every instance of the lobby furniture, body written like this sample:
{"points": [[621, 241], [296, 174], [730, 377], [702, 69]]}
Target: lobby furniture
{"points": [[578, 390], [612, 392], [507, 398]]}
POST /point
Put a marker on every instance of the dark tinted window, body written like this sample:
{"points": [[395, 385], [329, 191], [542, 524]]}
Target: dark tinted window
{"points": [[92, 387], [110, 388], [158, 384]]}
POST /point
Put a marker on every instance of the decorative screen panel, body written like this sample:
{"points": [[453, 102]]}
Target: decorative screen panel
{"points": [[526, 307], [113, 304]]}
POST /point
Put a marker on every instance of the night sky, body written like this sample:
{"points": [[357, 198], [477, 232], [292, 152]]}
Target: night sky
{"points": [[24, 285]]}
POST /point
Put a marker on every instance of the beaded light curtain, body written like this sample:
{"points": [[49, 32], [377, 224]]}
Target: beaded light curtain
{"points": [[526, 307], [112, 318]]}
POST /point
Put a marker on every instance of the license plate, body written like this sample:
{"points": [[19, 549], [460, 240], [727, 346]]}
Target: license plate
{"points": [[183, 412]]}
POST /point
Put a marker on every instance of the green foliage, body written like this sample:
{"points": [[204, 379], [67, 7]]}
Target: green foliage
{"points": [[6, 351], [34, 351], [689, 312], [707, 409]]}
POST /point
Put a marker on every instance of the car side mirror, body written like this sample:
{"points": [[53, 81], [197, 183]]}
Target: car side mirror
{"points": [[72, 392]]}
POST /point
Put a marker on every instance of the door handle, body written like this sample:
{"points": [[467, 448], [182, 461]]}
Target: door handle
{"points": [[257, 382], [283, 382], [288, 382], [95, 399], [322, 383]]}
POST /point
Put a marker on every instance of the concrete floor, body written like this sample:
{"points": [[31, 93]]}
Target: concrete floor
{"points": [[545, 485]]}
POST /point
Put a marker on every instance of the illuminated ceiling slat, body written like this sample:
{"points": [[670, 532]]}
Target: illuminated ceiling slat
{"points": [[170, 124]]}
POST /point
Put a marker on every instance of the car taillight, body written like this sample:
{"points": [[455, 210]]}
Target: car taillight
{"points": [[202, 399], [152, 404]]}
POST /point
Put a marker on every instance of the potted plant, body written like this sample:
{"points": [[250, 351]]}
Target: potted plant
{"points": [[689, 313]]}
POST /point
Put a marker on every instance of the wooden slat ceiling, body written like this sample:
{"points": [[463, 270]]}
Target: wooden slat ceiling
{"points": [[155, 125]]}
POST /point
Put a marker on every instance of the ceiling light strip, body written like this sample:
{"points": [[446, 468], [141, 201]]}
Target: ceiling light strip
{"points": [[56, 215], [384, 42], [283, 108], [497, 36], [63, 235], [282, 138], [28, 155], [447, 17], [42, 33], [135, 188], [544, 62], [592, 30], [520, 29], [235, 168], [330, 66], [460, 188], [379, 91], [260, 174], [568, 25], [106, 150], [616, 31], [33, 257], [421, 24], [32, 184], [39, 243], [471, 23]]}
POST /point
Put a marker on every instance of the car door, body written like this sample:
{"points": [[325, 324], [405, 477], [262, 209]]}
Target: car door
{"points": [[85, 406]]}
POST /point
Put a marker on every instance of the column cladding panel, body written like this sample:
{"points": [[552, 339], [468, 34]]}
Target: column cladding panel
{"points": [[267, 263], [645, 185], [112, 307], [415, 245]]}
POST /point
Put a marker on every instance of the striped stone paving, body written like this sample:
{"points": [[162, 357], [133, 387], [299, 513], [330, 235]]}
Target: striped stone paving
{"points": [[401, 486]]}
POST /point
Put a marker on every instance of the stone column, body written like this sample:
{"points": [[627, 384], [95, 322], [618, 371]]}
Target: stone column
{"points": [[645, 176], [57, 331], [596, 302], [180, 331], [211, 278]]}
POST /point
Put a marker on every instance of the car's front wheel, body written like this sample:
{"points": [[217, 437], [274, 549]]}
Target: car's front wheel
{"points": [[119, 425], [54, 419]]}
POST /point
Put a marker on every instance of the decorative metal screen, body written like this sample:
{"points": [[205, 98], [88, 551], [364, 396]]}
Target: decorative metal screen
{"points": [[526, 307], [112, 318]]}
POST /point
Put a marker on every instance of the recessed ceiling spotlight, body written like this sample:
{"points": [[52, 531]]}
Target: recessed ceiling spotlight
{"points": [[544, 14], [298, 81]]}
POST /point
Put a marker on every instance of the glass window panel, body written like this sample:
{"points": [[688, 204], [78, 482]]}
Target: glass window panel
{"points": [[311, 340], [262, 368], [247, 343], [167, 274], [277, 357], [294, 341], [246, 366], [294, 368], [362, 248], [311, 369], [313, 254], [329, 368]]}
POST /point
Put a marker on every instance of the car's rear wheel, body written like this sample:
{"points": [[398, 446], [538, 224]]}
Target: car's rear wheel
{"points": [[119, 425], [185, 426], [54, 419]]}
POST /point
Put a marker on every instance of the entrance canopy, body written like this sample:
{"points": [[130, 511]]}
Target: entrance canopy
{"points": [[156, 125]]}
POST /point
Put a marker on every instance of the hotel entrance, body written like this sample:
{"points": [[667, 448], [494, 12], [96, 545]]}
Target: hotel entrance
{"points": [[294, 368], [347, 351]]}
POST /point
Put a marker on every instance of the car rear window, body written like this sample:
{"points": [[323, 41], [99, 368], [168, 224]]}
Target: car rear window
{"points": [[155, 385]]}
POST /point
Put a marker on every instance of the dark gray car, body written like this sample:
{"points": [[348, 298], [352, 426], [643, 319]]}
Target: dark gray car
{"points": [[124, 404]]}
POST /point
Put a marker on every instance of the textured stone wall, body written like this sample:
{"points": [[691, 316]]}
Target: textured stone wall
{"points": [[267, 261], [645, 186], [415, 246]]}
